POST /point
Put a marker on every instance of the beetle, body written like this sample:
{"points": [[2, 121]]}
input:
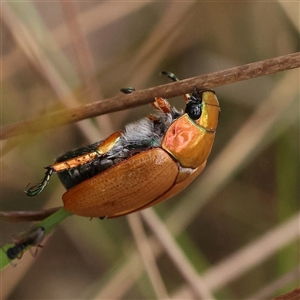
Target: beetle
{"points": [[149, 161], [33, 238]]}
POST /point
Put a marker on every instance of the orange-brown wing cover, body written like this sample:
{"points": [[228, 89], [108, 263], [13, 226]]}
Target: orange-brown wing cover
{"points": [[178, 187], [125, 187]]}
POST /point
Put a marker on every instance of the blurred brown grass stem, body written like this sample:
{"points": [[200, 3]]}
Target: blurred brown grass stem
{"points": [[26, 216], [122, 102]]}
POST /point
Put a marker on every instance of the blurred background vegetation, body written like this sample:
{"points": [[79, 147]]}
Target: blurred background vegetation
{"points": [[236, 225]]}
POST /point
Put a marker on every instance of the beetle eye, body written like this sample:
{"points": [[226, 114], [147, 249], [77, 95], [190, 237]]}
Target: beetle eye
{"points": [[193, 110]]}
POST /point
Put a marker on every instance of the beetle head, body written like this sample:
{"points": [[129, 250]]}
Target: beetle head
{"points": [[203, 108]]}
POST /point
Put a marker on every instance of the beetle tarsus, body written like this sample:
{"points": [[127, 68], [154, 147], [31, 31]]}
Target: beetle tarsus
{"points": [[127, 90], [170, 75], [38, 188], [174, 78]]}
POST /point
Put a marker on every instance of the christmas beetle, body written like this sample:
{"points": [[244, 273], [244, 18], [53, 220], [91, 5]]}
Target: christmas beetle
{"points": [[33, 238], [149, 161]]}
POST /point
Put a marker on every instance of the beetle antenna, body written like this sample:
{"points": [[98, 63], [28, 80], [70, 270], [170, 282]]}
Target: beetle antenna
{"points": [[38, 188]]}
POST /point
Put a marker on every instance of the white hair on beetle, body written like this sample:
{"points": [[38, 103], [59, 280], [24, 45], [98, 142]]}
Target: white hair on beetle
{"points": [[142, 129], [144, 133]]}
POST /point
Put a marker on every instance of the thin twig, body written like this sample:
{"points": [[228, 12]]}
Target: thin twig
{"points": [[277, 284], [147, 256], [176, 254], [244, 259], [48, 224], [121, 102], [27, 216]]}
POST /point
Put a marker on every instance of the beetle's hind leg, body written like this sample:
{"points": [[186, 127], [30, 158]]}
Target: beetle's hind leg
{"points": [[75, 161], [38, 188], [162, 104]]}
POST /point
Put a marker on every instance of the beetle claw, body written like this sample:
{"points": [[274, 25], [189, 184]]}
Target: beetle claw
{"points": [[170, 75], [127, 90], [38, 188]]}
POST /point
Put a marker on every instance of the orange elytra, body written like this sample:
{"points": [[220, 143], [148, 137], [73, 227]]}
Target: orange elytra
{"points": [[148, 162]]}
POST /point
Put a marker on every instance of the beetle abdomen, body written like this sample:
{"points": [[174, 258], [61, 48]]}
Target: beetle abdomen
{"points": [[137, 137], [125, 187]]}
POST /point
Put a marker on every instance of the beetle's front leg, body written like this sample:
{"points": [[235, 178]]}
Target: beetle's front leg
{"points": [[174, 78], [159, 103], [162, 104]]}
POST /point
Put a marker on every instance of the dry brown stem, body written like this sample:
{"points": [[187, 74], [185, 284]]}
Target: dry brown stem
{"points": [[27, 216], [293, 295], [122, 102]]}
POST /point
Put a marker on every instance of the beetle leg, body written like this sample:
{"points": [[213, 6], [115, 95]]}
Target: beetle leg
{"points": [[102, 149], [170, 75], [127, 90], [153, 118], [74, 162], [36, 189], [159, 103], [108, 143], [174, 78], [183, 173], [162, 105], [60, 167]]}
